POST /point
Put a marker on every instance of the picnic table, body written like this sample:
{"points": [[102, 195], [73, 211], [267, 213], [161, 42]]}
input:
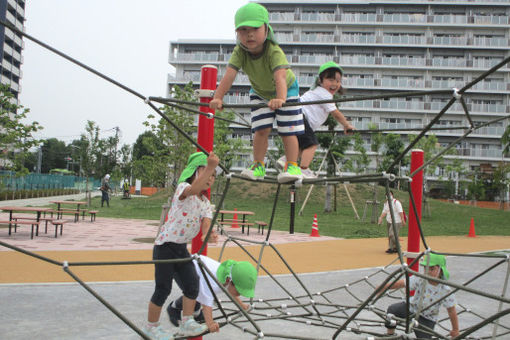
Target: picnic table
{"points": [[13, 221], [37, 210], [76, 211], [231, 221]]}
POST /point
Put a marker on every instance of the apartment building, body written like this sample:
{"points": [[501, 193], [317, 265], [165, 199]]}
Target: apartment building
{"points": [[11, 44], [386, 47]]}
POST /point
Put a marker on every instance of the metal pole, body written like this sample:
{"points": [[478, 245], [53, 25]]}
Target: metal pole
{"points": [[413, 235], [292, 208], [205, 137]]}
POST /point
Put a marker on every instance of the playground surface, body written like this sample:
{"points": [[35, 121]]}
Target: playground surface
{"points": [[29, 286]]}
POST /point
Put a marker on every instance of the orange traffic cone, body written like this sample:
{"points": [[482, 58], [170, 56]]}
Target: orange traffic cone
{"points": [[234, 222], [315, 227], [472, 228]]}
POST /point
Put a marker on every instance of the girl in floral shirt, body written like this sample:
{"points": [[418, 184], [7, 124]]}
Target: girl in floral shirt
{"points": [[190, 211]]}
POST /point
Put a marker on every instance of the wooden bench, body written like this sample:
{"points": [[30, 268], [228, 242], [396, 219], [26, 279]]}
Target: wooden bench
{"points": [[57, 223], [76, 213], [41, 219], [260, 224], [16, 223], [93, 215], [242, 224]]}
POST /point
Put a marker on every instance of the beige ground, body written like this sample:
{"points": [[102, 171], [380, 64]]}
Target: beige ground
{"points": [[303, 257]]}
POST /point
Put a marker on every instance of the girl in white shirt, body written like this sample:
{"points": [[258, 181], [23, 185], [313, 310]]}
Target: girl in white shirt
{"points": [[329, 82]]}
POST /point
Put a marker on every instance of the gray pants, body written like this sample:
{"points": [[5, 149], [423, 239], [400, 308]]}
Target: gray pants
{"points": [[400, 310], [393, 239]]}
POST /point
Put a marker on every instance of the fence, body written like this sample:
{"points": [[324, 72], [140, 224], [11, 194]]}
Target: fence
{"points": [[9, 182]]}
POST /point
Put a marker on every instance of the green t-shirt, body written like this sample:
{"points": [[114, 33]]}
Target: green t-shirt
{"points": [[260, 69]]}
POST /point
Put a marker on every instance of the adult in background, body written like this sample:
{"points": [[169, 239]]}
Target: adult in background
{"points": [[400, 220], [105, 188]]}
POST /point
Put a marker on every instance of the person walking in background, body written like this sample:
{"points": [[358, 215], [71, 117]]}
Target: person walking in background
{"points": [[105, 189], [273, 83], [400, 220]]}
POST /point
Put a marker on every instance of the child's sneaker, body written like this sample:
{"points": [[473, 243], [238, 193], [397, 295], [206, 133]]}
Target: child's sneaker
{"points": [[307, 173], [157, 333], [291, 174], [191, 328], [280, 163], [256, 171]]}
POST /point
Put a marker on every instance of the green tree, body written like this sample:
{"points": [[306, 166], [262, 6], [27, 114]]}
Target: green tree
{"points": [[54, 153], [16, 137]]}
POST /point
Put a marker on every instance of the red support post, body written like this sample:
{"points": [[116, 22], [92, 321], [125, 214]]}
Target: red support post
{"points": [[205, 137], [413, 235]]}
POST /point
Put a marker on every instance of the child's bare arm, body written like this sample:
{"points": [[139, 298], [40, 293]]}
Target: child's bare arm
{"points": [[245, 306], [339, 117], [397, 285], [199, 184], [280, 81], [225, 85], [205, 226], [452, 313], [209, 321]]}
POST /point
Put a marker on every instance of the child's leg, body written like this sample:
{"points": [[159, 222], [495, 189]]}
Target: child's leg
{"points": [[188, 306], [399, 310], [154, 313], [260, 144], [290, 143], [307, 156]]}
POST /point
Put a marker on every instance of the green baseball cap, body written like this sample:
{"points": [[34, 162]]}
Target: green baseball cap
{"points": [[254, 15], [195, 160], [436, 260], [242, 274], [328, 65]]}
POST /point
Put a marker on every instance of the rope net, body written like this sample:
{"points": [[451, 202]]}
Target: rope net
{"points": [[341, 309]]}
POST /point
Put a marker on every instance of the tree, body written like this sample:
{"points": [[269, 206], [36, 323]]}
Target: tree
{"points": [[54, 153], [16, 137]]}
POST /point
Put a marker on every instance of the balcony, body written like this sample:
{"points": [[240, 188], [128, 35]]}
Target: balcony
{"points": [[490, 41], [445, 84], [488, 108], [357, 60], [325, 17], [491, 20], [405, 18], [199, 57], [404, 39], [448, 62], [314, 59], [359, 17], [449, 19], [450, 41], [403, 61], [281, 16], [357, 39], [358, 82], [317, 38], [491, 86], [402, 105], [403, 83]]}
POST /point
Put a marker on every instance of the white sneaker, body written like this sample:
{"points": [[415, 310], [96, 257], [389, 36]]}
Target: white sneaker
{"points": [[307, 173], [157, 333], [191, 328], [280, 163]]}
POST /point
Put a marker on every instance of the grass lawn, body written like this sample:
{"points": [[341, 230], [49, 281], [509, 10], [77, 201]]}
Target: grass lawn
{"points": [[445, 218]]}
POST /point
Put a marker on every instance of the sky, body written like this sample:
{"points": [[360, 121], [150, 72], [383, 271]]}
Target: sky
{"points": [[126, 40]]}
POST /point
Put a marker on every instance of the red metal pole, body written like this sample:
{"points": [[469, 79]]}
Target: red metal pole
{"points": [[205, 138], [413, 235]]}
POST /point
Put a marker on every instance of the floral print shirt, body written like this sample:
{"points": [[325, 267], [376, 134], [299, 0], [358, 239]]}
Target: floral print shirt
{"points": [[430, 294], [184, 217]]}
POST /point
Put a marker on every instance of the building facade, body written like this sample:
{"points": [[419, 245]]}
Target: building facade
{"points": [[11, 45], [386, 47]]}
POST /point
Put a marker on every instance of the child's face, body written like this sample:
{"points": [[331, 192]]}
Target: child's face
{"points": [[332, 84], [252, 38], [210, 180], [433, 271]]}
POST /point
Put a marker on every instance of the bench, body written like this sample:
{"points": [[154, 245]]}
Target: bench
{"points": [[76, 213], [242, 224], [16, 223], [57, 223], [45, 219], [260, 224], [93, 215]]}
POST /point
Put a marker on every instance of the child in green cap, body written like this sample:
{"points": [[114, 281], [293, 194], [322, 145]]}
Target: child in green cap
{"points": [[426, 293], [329, 82], [273, 83], [190, 212], [239, 278]]}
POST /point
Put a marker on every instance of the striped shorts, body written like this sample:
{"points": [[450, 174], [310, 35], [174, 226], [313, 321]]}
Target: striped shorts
{"points": [[289, 119]]}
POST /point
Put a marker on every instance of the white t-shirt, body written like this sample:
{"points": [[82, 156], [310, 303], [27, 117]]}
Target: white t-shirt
{"points": [[205, 297], [397, 209], [430, 294], [184, 217], [316, 114]]}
